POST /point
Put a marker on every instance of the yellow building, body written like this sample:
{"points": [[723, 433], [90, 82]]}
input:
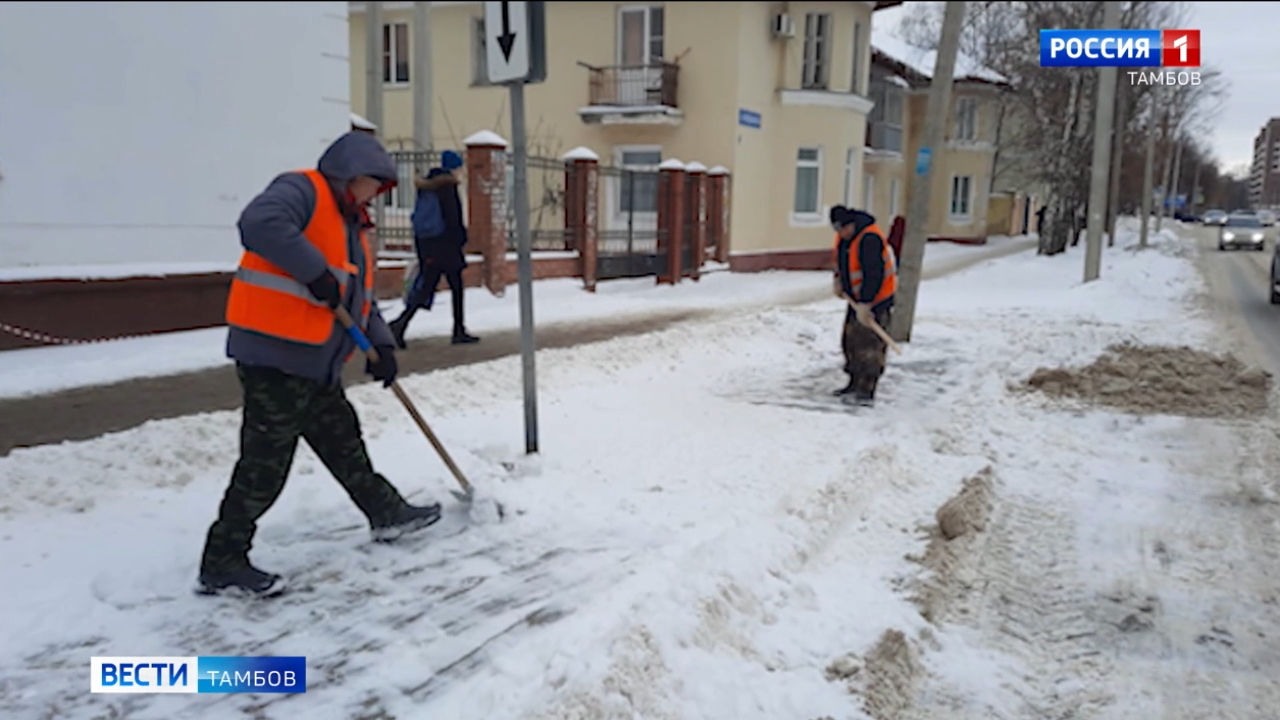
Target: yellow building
{"points": [[962, 169], [774, 92]]}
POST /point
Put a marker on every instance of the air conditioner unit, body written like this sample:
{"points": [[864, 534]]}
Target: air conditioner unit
{"points": [[783, 26]]}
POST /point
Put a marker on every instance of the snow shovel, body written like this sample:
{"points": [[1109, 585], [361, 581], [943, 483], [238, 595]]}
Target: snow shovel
{"points": [[875, 327], [467, 494]]}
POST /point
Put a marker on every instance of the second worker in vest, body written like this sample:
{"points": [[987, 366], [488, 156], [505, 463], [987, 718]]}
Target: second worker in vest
{"points": [[867, 278], [306, 253]]}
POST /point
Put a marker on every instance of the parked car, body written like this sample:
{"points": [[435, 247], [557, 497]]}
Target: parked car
{"points": [[1266, 217], [1215, 217], [1241, 231], [1181, 216], [1275, 276]]}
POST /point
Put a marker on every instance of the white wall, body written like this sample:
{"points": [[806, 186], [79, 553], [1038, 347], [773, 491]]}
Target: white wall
{"points": [[136, 132]]}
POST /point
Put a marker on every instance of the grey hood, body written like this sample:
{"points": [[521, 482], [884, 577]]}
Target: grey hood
{"points": [[354, 154]]}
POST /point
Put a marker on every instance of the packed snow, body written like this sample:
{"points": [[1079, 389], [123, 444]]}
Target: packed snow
{"points": [[40, 370], [706, 533]]}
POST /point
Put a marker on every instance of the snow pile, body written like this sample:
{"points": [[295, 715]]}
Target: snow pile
{"points": [[707, 533], [1174, 380]]}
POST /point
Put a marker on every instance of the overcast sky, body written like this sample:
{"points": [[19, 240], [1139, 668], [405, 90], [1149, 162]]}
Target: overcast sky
{"points": [[1242, 39]]}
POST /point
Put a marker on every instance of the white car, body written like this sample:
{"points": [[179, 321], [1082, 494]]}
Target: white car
{"points": [[1267, 218], [1242, 231], [1214, 217]]}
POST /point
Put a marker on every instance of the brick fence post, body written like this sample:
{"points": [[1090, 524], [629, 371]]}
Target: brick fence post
{"points": [[581, 183], [487, 206], [718, 206], [671, 218], [696, 175]]}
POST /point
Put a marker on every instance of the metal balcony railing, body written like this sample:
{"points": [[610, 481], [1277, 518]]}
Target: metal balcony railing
{"points": [[633, 85]]}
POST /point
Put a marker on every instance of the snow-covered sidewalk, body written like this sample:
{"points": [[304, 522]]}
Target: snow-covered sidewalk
{"points": [[705, 532], [37, 371]]}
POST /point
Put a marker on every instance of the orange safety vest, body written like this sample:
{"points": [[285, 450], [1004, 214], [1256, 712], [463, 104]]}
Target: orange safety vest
{"points": [[890, 284], [267, 300]]}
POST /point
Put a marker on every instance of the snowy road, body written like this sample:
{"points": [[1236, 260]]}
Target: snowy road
{"points": [[707, 530]]}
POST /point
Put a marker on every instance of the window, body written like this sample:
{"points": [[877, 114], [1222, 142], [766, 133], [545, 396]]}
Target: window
{"points": [[808, 181], [479, 58], [961, 195], [893, 198], [868, 194], [966, 118], [640, 35], [855, 80], [395, 53], [638, 191], [817, 49], [885, 123], [848, 176]]}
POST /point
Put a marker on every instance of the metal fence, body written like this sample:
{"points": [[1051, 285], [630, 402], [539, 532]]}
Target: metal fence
{"points": [[545, 178], [627, 244], [395, 231]]}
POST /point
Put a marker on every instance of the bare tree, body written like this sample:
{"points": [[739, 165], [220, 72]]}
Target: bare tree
{"points": [[1047, 125]]}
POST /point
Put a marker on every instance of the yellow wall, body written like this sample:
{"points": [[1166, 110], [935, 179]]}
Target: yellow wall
{"points": [[728, 60]]}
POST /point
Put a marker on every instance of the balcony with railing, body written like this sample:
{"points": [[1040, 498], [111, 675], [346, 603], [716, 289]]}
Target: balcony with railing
{"points": [[632, 94]]}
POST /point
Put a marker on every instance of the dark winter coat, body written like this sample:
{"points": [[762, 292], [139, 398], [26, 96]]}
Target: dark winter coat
{"points": [[870, 257], [896, 234], [271, 226], [445, 251]]}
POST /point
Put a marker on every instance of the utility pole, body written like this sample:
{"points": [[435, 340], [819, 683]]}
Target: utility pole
{"points": [[422, 75], [1148, 171], [1117, 159], [1177, 167], [919, 190], [1104, 114], [1192, 200], [1168, 171]]}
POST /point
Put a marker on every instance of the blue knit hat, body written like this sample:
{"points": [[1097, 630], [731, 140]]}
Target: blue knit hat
{"points": [[450, 160]]}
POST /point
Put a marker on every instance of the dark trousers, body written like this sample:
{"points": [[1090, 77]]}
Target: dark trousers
{"points": [[431, 274], [278, 410], [864, 352]]}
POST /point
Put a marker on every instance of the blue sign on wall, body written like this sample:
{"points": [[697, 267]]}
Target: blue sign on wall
{"points": [[923, 159], [748, 118]]}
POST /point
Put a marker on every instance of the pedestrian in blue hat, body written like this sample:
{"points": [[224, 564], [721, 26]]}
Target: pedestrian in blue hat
{"points": [[439, 236]]}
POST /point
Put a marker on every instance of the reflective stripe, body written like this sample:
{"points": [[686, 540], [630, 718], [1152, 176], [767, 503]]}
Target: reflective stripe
{"points": [[279, 283]]}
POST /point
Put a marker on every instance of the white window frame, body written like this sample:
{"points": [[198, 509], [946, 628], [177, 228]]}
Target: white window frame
{"points": [[649, 36], [807, 217], [966, 119], [616, 218], [893, 198], [965, 213], [389, 52], [849, 157], [815, 64], [869, 194], [855, 82]]}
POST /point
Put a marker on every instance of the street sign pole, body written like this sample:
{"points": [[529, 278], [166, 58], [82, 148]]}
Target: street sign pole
{"points": [[515, 51]]}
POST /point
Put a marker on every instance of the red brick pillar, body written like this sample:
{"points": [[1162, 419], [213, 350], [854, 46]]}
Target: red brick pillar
{"points": [[487, 206], [671, 218], [581, 190], [696, 175], [718, 205]]}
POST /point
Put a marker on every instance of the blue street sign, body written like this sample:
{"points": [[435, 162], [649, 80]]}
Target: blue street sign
{"points": [[748, 118]]}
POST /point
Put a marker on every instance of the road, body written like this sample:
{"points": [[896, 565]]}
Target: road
{"points": [[1239, 296]]}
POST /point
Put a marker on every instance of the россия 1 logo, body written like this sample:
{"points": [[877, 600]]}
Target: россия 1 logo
{"points": [[1126, 48]]}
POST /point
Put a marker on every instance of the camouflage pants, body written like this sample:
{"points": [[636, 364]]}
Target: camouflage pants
{"points": [[278, 410], [864, 352]]}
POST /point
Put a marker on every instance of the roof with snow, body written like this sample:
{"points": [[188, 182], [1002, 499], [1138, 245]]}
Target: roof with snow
{"points": [[919, 62]]}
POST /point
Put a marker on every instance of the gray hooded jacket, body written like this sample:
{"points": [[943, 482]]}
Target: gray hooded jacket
{"points": [[271, 226]]}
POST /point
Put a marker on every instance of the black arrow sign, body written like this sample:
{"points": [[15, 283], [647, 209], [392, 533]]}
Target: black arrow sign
{"points": [[507, 39]]}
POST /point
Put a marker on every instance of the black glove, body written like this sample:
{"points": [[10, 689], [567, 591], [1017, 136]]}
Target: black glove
{"points": [[385, 369], [326, 289]]}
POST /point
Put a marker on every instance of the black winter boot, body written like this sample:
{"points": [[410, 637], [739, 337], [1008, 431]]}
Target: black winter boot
{"points": [[410, 518], [461, 337], [398, 328], [247, 581]]}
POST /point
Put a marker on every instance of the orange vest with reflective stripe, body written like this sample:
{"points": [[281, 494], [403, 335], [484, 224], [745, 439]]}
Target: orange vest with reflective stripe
{"points": [[267, 300], [890, 284]]}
